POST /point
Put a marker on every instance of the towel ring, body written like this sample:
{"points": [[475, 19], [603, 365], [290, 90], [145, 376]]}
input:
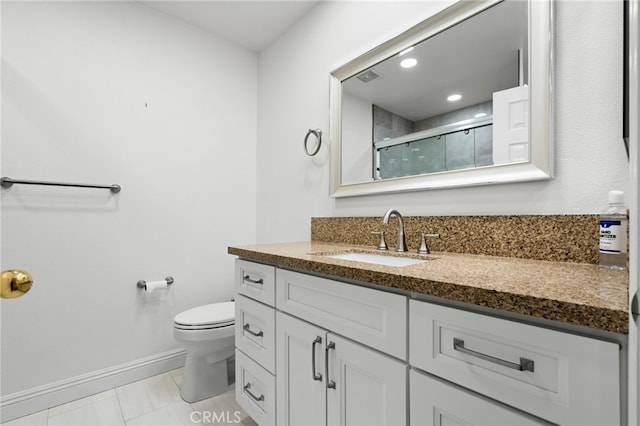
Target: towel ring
{"points": [[318, 134]]}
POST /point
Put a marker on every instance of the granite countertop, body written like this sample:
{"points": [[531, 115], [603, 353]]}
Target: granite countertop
{"points": [[575, 293]]}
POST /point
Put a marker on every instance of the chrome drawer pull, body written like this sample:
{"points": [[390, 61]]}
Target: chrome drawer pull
{"points": [[248, 279], [248, 392], [330, 383], [316, 375], [525, 364], [258, 334]]}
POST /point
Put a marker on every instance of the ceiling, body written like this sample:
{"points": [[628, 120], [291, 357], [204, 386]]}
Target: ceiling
{"points": [[474, 58], [253, 24]]}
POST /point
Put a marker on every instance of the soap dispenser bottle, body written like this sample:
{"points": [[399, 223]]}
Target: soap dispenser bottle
{"points": [[613, 233]]}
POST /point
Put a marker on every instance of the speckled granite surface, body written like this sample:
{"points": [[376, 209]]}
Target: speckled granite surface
{"points": [[562, 238], [574, 293]]}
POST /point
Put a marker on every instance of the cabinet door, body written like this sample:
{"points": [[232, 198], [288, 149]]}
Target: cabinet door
{"points": [[364, 387], [300, 372], [438, 403]]}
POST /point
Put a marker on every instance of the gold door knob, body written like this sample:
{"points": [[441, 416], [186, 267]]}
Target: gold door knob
{"points": [[15, 283]]}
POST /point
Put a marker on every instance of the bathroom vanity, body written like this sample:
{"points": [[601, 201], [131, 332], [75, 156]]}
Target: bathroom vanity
{"points": [[454, 339]]}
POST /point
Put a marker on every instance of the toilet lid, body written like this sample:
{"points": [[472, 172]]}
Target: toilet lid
{"points": [[213, 314]]}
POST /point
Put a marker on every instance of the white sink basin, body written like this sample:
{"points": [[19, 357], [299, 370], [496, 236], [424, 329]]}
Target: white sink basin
{"points": [[376, 259]]}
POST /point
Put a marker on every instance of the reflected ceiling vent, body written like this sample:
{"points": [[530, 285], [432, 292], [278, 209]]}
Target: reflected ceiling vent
{"points": [[368, 75]]}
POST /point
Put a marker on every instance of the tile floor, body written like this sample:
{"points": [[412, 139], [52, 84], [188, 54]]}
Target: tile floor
{"points": [[151, 402]]}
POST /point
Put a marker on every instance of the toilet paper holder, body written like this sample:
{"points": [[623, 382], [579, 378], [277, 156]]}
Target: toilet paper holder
{"points": [[143, 283]]}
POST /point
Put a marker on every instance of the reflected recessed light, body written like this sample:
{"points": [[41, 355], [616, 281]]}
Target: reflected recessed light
{"points": [[480, 114], [405, 51], [454, 97], [409, 63]]}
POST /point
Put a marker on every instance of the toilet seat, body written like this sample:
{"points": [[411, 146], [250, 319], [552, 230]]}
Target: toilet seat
{"points": [[214, 315]]}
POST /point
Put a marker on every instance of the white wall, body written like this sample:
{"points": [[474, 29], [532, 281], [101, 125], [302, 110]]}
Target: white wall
{"points": [[114, 92], [294, 96]]}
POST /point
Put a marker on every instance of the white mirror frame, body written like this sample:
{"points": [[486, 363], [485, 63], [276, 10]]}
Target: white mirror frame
{"points": [[539, 167]]}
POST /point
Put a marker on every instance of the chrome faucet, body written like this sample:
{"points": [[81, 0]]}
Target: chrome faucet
{"points": [[402, 244]]}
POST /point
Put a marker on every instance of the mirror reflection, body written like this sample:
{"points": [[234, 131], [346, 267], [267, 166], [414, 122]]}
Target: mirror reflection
{"points": [[458, 100]]}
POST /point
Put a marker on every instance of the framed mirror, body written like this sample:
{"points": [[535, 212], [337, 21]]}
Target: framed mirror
{"points": [[461, 99]]}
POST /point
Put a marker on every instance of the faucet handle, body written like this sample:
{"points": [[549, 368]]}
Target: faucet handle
{"points": [[424, 249], [383, 244]]}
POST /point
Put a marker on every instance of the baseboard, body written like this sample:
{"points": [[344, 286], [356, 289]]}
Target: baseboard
{"points": [[43, 397]]}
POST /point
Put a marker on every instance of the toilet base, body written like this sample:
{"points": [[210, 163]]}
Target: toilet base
{"points": [[203, 380]]}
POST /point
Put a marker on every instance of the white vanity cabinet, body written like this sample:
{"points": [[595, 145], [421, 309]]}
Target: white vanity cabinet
{"points": [[317, 351], [322, 376]]}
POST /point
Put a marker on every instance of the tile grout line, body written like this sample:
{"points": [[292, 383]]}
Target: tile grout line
{"points": [[115, 390], [193, 409]]}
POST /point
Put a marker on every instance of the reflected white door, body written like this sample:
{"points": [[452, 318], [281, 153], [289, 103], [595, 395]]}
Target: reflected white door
{"points": [[511, 125]]}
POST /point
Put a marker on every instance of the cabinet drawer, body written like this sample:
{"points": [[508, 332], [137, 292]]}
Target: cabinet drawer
{"points": [[372, 317], [255, 331], [560, 377], [256, 281], [435, 402], [255, 390]]}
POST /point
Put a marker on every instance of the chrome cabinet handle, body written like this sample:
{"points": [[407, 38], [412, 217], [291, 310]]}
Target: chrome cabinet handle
{"points": [[316, 375], [330, 383], [258, 334], [247, 278], [525, 364], [255, 398]]}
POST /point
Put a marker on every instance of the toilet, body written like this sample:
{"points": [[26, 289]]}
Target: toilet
{"points": [[207, 334]]}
